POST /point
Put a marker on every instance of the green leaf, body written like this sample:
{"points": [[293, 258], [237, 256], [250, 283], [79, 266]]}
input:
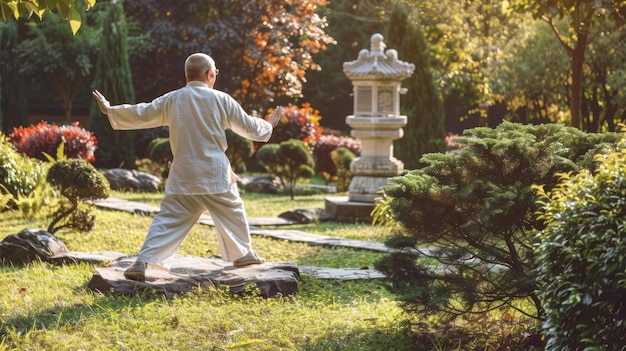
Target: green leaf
{"points": [[31, 7], [63, 9], [74, 20], [9, 10], [51, 4]]}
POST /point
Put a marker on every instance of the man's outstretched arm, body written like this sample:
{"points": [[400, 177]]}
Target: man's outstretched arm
{"points": [[274, 118], [103, 103]]}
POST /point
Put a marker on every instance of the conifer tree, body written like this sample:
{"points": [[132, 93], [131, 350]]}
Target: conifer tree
{"points": [[476, 213], [12, 93], [114, 80], [425, 130]]}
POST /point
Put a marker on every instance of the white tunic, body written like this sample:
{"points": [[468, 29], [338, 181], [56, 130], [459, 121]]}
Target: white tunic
{"points": [[197, 117]]}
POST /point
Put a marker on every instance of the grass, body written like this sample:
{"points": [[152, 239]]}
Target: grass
{"points": [[48, 307]]}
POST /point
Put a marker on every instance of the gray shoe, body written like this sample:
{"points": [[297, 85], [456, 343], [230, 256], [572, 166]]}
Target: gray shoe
{"points": [[250, 258], [136, 272]]}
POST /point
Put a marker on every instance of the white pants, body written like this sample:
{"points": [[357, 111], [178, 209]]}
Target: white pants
{"points": [[180, 212]]}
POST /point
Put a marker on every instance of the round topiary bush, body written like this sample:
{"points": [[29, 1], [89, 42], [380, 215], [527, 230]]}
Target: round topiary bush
{"points": [[581, 255], [77, 180], [342, 157], [160, 152], [239, 151]]}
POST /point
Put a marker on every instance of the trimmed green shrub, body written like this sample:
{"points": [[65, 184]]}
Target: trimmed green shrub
{"points": [[143, 138], [267, 156], [324, 146], [290, 161], [342, 157], [581, 256], [160, 153], [19, 174], [77, 181], [298, 163], [239, 151], [475, 210]]}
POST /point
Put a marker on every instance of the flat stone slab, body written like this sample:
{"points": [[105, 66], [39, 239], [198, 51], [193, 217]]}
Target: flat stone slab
{"points": [[121, 261], [188, 272], [321, 240], [253, 221], [343, 210], [341, 273], [125, 205]]}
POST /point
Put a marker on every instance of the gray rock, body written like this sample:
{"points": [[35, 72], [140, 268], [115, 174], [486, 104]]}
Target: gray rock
{"points": [[29, 245], [302, 215], [262, 184], [124, 179], [188, 272]]}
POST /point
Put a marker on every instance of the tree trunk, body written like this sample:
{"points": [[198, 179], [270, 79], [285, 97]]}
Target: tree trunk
{"points": [[577, 60]]}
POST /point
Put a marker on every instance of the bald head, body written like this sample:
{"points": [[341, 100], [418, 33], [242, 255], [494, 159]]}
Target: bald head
{"points": [[197, 66]]}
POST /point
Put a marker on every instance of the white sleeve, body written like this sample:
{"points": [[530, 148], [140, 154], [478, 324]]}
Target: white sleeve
{"points": [[253, 128], [139, 116]]}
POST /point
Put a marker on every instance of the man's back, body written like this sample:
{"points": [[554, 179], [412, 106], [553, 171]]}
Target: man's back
{"points": [[198, 117]]}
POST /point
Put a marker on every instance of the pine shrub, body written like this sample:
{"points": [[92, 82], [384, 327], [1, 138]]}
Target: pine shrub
{"points": [[475, 212]]}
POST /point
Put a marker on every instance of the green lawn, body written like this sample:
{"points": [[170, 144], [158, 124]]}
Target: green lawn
{"points": [[47, 307]]}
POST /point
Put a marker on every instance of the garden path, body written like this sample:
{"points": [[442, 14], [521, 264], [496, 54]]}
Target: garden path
{"points": [[281, 234]]}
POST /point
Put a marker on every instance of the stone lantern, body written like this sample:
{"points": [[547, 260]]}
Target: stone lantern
{"points": [[376, 77]]}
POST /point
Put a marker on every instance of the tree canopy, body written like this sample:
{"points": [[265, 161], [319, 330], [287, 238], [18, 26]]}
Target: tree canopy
{"points": [[67, 9], [424, 131], [263, 48], [66, 61], [582, 15]]}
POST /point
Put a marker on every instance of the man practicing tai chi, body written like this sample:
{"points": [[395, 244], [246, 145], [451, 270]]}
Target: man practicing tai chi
{"points": [[200, 177]]}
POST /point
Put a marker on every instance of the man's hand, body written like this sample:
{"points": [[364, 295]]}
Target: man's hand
{"points": [[274, 118], [103, 103]]}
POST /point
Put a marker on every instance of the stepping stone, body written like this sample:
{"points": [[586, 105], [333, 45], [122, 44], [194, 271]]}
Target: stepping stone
{"points": [[125, 205], [321, 240], [188, 272], [341, 273]]}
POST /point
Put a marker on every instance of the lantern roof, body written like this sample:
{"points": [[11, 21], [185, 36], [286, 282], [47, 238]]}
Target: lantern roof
{"points": [[377, 64]]}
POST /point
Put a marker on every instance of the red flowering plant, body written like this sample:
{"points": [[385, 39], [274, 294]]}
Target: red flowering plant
{"points": [[300, 123], [323, 147], [452, 144], [35, 140]]}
